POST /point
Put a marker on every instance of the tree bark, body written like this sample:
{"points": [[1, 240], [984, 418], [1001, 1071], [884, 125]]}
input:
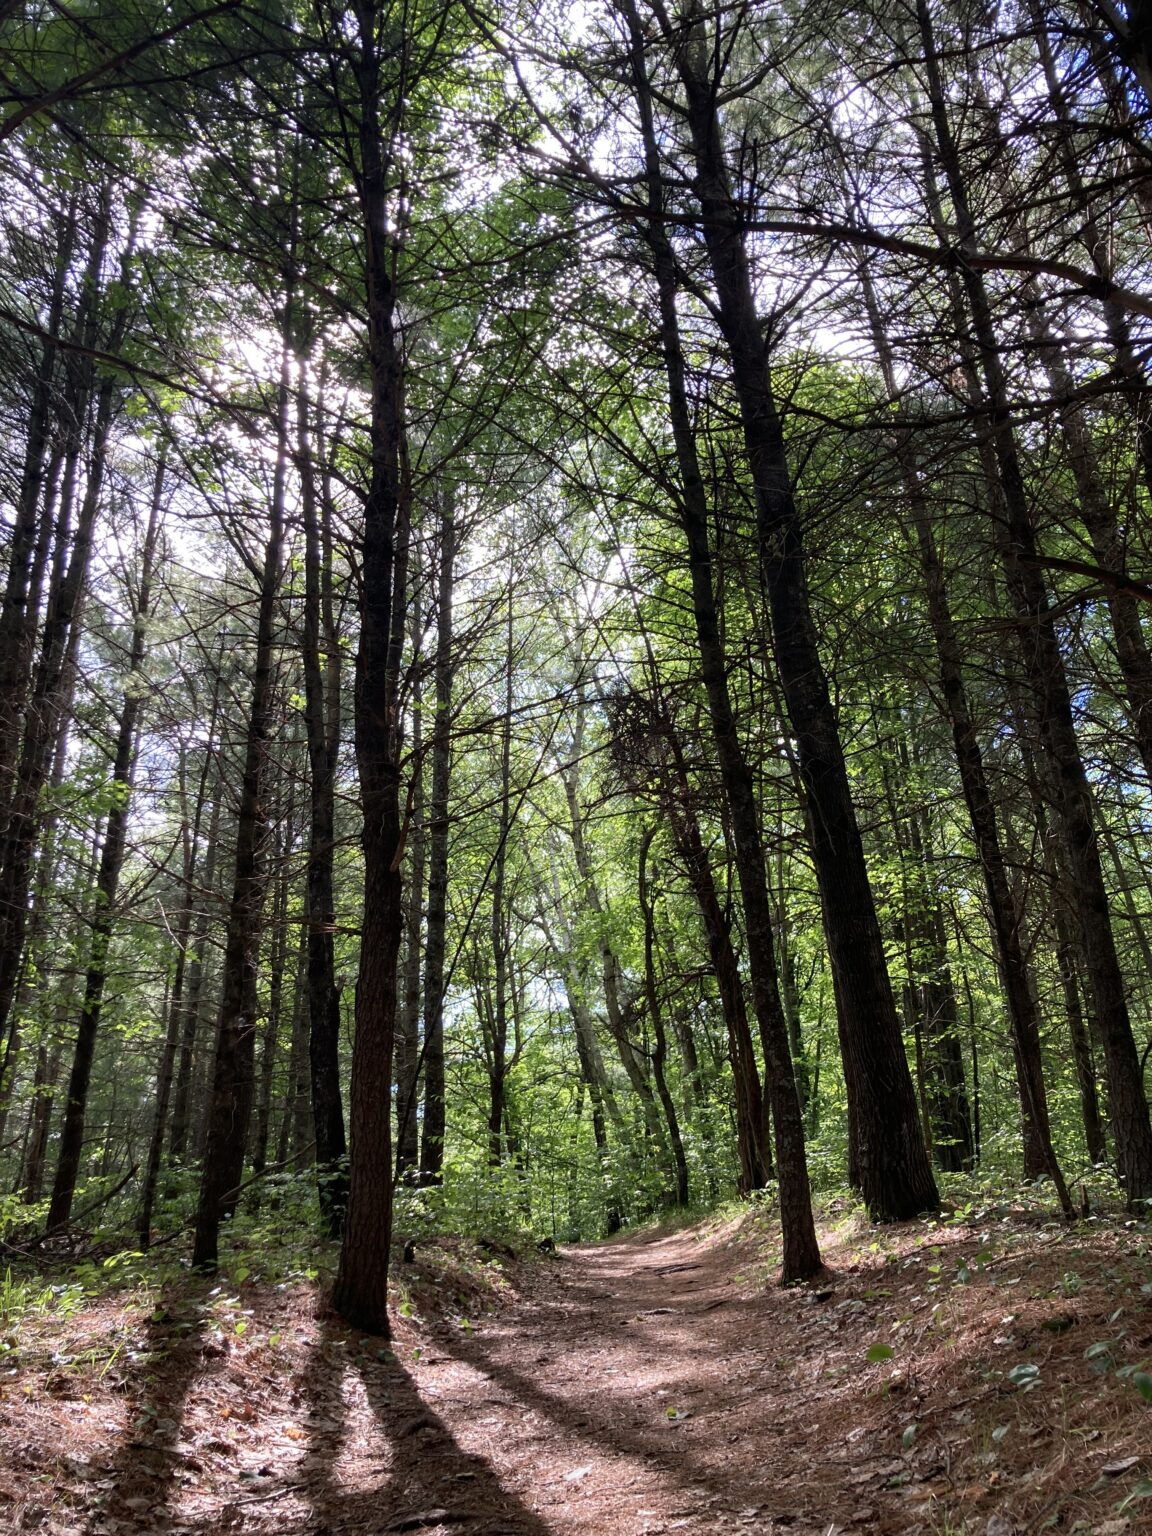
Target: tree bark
{"points": [[891, 1162], [801, 1254], [233, 1072], [432, 1138], [360, 1294], [107, 881], [321, 716]]}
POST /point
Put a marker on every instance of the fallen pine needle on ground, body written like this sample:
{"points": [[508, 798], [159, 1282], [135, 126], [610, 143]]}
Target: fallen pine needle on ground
{"points": [[985, 1377]]}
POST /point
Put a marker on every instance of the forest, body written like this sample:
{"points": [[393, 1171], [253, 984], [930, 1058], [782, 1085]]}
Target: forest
{"points": [[573, 663]]}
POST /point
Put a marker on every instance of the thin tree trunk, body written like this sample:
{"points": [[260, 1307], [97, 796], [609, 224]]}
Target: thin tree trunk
{"points": [[408, 1056], [322, 724], [647, 748], [48, 1064], [191, 1021], [656, 1016], [432, 1139], [230, 1100], [633, 1062], [498, 1042], [295, 1134], [166, 1072], [107, 882], [277, 960]]}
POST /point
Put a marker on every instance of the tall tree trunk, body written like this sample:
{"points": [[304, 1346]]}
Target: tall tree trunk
{"points": [[230, 1099], [31, 522], [801, 1254], [107, 881], [1049, 694], [361, 1290], [891, 1161], [321, 715], [42, 720], [432, 1138]]}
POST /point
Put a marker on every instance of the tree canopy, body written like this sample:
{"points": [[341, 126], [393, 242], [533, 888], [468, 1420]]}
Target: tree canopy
{"points": [[574, 620]]}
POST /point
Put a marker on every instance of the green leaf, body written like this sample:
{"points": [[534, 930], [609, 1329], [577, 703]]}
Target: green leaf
{"points": [[1024, 1376], [880, 1352], [1142, 1490], [908, 1438], [1143, 1383]]}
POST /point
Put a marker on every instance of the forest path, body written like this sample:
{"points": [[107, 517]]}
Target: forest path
{"points": [[628, 1397], [647, 1385]]}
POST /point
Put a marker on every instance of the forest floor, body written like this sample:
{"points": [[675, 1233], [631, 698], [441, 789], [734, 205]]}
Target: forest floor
{"points": [[940, 1378]]}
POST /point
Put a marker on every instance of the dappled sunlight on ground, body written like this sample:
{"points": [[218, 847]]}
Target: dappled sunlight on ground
{"points": [[939, 1378]]}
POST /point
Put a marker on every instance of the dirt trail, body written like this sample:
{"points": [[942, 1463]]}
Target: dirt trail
{"points": [[652, 1385], [632, 1388], [631, 1399]]}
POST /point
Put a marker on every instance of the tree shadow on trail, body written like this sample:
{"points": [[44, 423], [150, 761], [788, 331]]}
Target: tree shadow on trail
{"points": [[144, 1475], [662, 1449], [423, 1481]]}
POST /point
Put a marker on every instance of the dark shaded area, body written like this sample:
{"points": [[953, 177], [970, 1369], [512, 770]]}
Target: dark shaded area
{"points": [[426, 1472], [146, 1472]]}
